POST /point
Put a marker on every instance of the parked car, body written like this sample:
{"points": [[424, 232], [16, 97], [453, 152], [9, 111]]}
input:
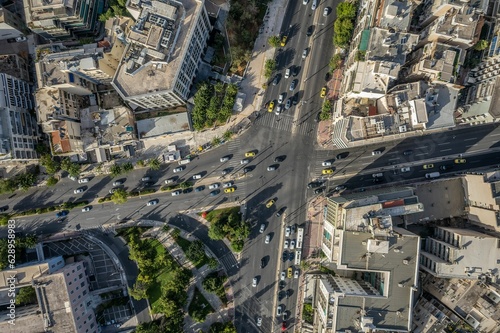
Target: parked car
{"points": [[292, 244], [460, 161], [250, 154], [326, 163], [268, 239], [290, 272], [288, 104], [86, 209], [293, 84], [178, 169], [83, 180], [288, 231], [79, 190], [259, 321], [405, 169], [153, 202], [327, 171], [281, 97], [310, 30], [281, 211], [279, 159], [245, 161], [145, 179], [287, 73], [279, 310], [170, 180], [62, 213], [296, 273], [229, 190], [254, 282], [428, 166], [117, 183], [199, 188], [21, 39], [282, 275], [214, 193], [176, 193], [197, 176], [224, 159], [270, 203], [228, 184], [304, 53], [213, 186], [285, 245], [271, 168], [326, 11]]}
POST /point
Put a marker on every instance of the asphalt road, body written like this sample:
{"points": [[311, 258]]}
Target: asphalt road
{"points": [[291, 135]]}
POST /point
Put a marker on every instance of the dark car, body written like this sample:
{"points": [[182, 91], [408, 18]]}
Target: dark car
{"points": [[283, 325], [342, 155], [285, 255], [445, 167], [279, 159], [262, 263], [62, 213], [296, 70], [214, 193], [288, 293], [318, 117], [408, 152], [285, 317], [281, 294], [199, 188], [377, 180], [247, 169], [310, 31], [11, 40], [293, 85], [282, 285], [313, 185], [295, 99], [3, 209], [276, 80], [291, 256], [188, 190], [319, 190], [281, 211]]}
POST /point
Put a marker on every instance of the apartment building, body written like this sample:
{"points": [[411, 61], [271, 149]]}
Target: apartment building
{"points": [[18, 127], [59, 20], [164, 51], [376, 263], [77, 107], [11, 25], [460, 253], [64, 301]]}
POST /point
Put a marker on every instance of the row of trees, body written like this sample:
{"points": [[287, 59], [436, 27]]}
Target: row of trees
{"points": [[228, 223], [344, 24], [269, 68], [22, 243], [213, 104], [153, 260]]}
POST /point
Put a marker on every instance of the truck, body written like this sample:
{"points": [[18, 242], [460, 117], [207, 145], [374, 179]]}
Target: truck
{"points": [[185, 161], [432, 175]]}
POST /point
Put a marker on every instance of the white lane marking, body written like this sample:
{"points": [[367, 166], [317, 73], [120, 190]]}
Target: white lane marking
{"points": [[470, 139], [445, 149], [443, 144], [421, 154], [91, 218], [495, 134]]}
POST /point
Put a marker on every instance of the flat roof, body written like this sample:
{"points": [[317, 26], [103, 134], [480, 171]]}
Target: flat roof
{"points": [[154, 127], [392, 312], [396, 14], [149, 64]]}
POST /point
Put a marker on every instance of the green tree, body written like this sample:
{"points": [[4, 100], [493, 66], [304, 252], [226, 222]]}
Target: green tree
{"points": [[335, 62], [343, 29], [65, 164], [7, 185], [347, 10], [26, 180], [51, 181], [49, 164], [42, 149], [196, 251], [139, 291], [481, 45], [274, 41], [154, 164], [212, 263], [185, 185], [26, 295], [168, 307], [140, 163], [127, 167], [119, 196], [175, 233], [4, 219], [227, 135], [269, 67], [115, 170], [216, 141], [74, 170], [216, 231]]}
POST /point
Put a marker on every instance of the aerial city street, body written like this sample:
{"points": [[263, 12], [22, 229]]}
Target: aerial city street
{"points": [[249, 166]]}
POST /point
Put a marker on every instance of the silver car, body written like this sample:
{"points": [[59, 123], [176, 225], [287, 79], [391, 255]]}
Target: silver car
{"points": [[245, 161]]}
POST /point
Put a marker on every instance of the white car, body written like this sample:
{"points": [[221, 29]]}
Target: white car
{"points": [[228, 184], [21, 39], [78, 190], [262, 228], [83, 180], [268, 239], [86, 209], [282, 276], [326, 11], [279, 311], [117, 183], [281, 98], [176, 193], [254, 282], [288, 231], [145, 179], [152, 202], [314, 4], [224, 159], [213, 186], [178, 169], [112, 191], [326, 163], [198, 176], [259, 321], [285, 246], [287, 73], [296, 274], [169, 181], [245, 161], [292, 244], [406, 169], [304, 2], [304, 54]]}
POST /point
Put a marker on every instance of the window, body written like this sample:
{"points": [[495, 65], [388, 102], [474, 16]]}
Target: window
{"points": [[84, 292], [82, 284], [92, 325], [71, 292], [78, 267], [70, 283], [79, 296], [80, 276]]}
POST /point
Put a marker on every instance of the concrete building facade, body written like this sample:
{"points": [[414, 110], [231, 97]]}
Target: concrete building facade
{"points": [[11, 25]]}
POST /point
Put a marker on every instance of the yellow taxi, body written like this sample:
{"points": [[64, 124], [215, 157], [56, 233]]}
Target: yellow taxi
{"points": [[290, 272], [271, 107], [460, 161], [428, 166], [229, 190], [323, 92], [270, 203], [250, 154], [283, 40], [327, 171]]}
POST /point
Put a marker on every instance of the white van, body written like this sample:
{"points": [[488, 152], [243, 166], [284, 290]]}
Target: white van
{"points": [[378, 175], [432, 175]]}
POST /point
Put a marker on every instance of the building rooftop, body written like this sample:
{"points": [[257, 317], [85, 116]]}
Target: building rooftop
{"points": [[394, 266], [170, 124], [391, 47], [40, 10], [462, 24], [396, 15], [442, 59], [157, 44], [12, 64]]}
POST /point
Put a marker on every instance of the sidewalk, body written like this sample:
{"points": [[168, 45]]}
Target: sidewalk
{"points": [[221, 314]]}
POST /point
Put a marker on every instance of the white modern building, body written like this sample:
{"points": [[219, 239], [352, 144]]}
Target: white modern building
{"points": [[163, 54], [18, 127]]}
